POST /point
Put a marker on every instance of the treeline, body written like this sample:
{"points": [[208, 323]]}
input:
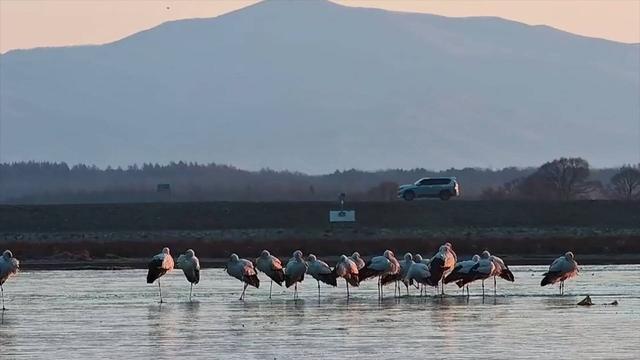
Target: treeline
{"points": [[46, 182], [567, 179]]}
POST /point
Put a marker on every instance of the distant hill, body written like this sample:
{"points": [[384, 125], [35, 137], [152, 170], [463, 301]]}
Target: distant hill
{"points": [[314, 86]]}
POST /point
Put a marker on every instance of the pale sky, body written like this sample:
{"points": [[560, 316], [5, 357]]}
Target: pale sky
{"points": [[34, 23]]}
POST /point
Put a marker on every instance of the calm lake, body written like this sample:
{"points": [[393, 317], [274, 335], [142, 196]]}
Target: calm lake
{"points": [[115, 314]]}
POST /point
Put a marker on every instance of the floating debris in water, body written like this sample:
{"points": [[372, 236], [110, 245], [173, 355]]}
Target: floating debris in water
{"points": [[586, 301]]}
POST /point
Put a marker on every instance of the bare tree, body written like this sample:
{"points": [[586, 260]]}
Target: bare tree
{"points": [[626, 183], [560, 179]]}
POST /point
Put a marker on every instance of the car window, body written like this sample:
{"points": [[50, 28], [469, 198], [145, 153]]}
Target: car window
{"points": [[442, 181], [434, 182]]}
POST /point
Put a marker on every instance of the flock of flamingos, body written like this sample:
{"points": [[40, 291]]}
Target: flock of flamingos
{"points": [[442, 268]]}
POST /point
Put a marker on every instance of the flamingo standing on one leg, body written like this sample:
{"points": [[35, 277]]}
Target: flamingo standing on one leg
{"points": [[190, 265], [294, 272], [243, 270], [272, 267], [347, 269], [441, 264], [501, 270], [158, 266], [562, 268], [321, 271]]}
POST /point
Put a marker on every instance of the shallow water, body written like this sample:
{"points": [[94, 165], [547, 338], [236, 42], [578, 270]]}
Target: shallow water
{"points": [[111, 314]]}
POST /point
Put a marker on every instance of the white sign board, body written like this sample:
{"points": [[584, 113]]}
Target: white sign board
{"points": [[342, 216]]}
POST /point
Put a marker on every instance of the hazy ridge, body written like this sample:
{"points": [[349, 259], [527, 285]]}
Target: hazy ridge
{"points": [[314, 86]]}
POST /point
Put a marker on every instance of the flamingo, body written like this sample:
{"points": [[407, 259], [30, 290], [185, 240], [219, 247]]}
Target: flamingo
{"points": [[400, 275], [418, 272], [380, 266], [347, 269], [294, 272], [482, 270], [358, 260], [320, 271], [272, 267], [418, 258], [461, 273], [243, 270], [453, 253], [441, 264], [190, 265], [561, 269], [8, 266], [501, 270], [158, 266]]}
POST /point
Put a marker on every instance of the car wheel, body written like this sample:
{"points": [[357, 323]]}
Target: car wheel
{"points": [[445, 195], [409, 195]]}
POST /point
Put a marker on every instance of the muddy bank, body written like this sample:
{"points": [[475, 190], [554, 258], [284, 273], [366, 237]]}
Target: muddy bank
{"points": [[133, 248], [141, 263], [114, 235]]}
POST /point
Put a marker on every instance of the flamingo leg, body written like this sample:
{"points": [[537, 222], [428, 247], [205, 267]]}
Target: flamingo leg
{"points": [[494, 286], [346, 282], [295, 291], [243, 291], [270, 287], [318, 287], [160, 289], [442, 284], [190, 292], [2, 290], [483, 288]]}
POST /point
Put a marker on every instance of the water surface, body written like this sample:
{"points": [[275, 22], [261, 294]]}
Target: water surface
{"points": [[115, 314]]}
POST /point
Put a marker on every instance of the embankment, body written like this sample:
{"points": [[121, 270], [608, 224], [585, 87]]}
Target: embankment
{"points": [[127, 234]]}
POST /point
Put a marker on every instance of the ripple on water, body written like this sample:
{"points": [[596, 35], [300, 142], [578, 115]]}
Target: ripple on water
{"points": [[89, 314]]}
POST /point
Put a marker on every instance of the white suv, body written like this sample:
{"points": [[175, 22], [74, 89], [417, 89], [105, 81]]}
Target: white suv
{"points": [[443, 188]]}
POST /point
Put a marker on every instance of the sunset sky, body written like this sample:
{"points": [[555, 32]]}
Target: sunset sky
{"points": [[33, 23]]}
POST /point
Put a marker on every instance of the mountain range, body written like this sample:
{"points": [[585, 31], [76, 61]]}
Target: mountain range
{"points": [[315, 86]]}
